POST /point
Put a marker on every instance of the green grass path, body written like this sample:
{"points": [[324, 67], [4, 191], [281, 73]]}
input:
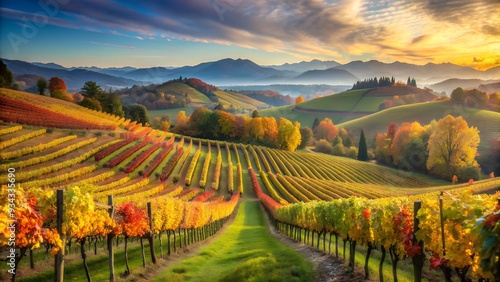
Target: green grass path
{"points": [[245, 251]]}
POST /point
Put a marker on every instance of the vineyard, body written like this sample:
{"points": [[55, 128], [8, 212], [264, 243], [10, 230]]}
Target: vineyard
{"points": [[182, 189]]}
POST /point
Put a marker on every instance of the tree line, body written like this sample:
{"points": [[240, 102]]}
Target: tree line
{"points": [[221, 125], [381, 82]]}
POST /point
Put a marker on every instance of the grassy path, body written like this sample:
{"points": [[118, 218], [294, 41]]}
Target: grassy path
{"points": [[245, 251]]}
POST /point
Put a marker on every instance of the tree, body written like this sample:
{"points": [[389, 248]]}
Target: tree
{"points": [[391, 130], [475, 98], [255, 114], [91, 90], [270, 127], [56, 84], [112, 103], [58, 94], [352, 152], [91, 103], [41, 85], [315, 123], [137, 112], [299, 100], [199, 123], [457, 95], [5, 75], [323, 146], [306, 134], [408, 148], [382, 145], [408, 82], [181, 121], [452, 147], [363, 148], [288, 134], [413, 82], [326, 130], [339, 149]]}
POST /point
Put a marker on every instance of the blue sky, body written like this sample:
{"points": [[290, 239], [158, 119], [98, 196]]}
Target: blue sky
{"points": [[108, 33]]}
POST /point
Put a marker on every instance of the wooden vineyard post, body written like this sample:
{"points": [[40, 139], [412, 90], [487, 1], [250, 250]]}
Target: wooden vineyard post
{"points": [[418, 259], [111, 254], [59, 259], [151, 233]]}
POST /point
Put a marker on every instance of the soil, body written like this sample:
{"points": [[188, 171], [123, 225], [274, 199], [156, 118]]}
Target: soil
{"points": [[328, 268]]}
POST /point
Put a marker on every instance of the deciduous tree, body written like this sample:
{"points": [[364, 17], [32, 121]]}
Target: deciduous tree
{"points": [[326, 130], [452, 146], [288, 134], [57, 84], [91, 103], [306, 134], [299, 100]]}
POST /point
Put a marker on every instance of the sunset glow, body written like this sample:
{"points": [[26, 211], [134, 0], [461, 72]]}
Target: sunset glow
{"points": [[176, 33]]}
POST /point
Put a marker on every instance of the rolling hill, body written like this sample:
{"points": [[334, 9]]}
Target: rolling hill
{"points": [[488, 122], [450, 84], [345, 106], [329, 76]]}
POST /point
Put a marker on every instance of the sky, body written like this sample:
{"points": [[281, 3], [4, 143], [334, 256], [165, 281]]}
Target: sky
{"points": [[148, 33]]}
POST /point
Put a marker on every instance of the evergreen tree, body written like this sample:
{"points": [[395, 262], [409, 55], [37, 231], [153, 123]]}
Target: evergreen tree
{"points": [[408, 82], [315, 123], [91, 90], [363, 149], [5, 75], [413, 82]]}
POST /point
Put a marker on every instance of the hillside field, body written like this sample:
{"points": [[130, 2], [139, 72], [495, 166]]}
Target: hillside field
{"points": [[344, 106], [138, 164], [488, 122]]}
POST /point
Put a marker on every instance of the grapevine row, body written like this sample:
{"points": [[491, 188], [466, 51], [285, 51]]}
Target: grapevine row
{"points": [[157, 160], [206, 166], [23, 176], [36, 148], [51, 156], [19, 139], [192, 165], [10, 129]]}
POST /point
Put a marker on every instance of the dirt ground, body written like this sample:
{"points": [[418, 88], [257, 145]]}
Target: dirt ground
{"points": [[328, 268]]}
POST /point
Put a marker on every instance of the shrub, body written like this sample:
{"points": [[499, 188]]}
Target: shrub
{"points": [[323, 146], [175, 179], [469, 172], [338, 150], [98, 133], [112, 134], [352, 152]]}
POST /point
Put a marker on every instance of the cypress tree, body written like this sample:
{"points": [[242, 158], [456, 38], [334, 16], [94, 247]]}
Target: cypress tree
{"points": [[315, 123], [363, 150]]}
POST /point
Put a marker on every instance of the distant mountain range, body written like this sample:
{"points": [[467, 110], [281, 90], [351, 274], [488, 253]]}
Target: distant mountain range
{"points": [[245, 72], [453, 83]]}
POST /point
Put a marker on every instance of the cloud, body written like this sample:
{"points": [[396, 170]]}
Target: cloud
{"points": [[115, 45], [337, 29], [491, 30], [419, 39], [477, 60]]}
